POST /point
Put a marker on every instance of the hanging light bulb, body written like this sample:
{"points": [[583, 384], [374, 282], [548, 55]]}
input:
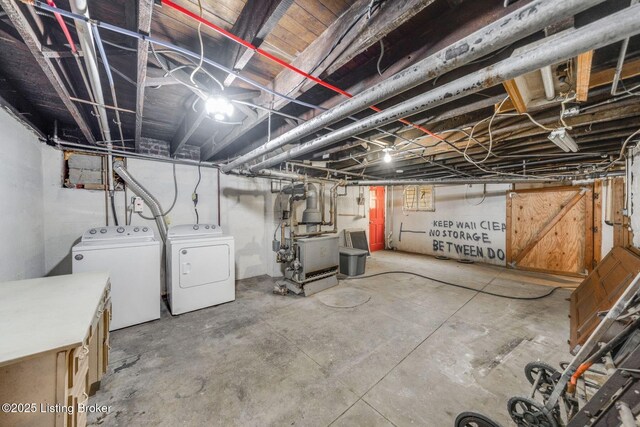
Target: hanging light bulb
{"points": [[387, 155], [219, 107]]}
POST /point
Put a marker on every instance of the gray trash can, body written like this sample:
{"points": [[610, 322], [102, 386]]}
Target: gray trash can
{"points": [[352, 261]]}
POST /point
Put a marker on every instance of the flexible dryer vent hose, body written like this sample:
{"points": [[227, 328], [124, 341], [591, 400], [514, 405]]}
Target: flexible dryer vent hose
{"points": [[137, 188]]}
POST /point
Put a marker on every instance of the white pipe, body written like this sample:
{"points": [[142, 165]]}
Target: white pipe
{"points": [[91, 61], [547, 81]]}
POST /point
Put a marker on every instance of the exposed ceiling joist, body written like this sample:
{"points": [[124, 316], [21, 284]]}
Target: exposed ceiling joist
{"points": [[583, 75], [605, 77], [472, 17], [319, 58], [31, 39], [145, 10], [257, 19], [188, 126]]}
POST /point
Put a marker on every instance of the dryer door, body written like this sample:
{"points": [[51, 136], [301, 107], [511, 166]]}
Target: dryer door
{"points": [[204, 265]]}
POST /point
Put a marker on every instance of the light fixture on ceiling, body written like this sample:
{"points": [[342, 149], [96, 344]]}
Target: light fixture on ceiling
{"points": [[387, 155], [219, 107], [562, 139]]}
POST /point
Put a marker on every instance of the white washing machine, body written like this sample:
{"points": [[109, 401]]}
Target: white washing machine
{"points": [[131, 255], [200, 267]]}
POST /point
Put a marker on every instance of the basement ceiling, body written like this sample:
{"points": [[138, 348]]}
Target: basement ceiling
{"points": [[350, 45]]}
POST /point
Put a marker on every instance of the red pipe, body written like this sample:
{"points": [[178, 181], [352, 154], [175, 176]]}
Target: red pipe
{"points": [[64, 27], [267, 55]]}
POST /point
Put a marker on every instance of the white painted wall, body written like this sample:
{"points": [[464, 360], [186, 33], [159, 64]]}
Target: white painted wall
{"points": [[458, 209], [246, 215], [21, 208]]}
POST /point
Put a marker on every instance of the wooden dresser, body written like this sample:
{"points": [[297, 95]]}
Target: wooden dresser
{"points": [[54, 348]]}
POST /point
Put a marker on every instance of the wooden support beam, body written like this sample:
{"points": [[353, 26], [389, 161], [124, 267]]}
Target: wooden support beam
{"points": [[605, 77], [188, 126], [583, 75], [515, 96], [257, 19], [20, 22], [360, 37], [364, 34], [145, 10], [556, 219]]}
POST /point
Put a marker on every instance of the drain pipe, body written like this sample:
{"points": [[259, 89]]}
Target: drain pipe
{"points": [[391, 182], [88, 46], [602, 32], [620, 63], [514, 26], [156, 210]]}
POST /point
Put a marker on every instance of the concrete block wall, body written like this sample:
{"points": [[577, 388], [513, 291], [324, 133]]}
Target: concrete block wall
{"points": [[156, 147]]}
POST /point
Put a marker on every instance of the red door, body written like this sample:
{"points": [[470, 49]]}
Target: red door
{"points": [[376, 218]]}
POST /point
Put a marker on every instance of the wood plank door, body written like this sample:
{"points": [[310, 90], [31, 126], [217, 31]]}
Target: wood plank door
{"points": [[376, 218], [600, 290], [551, 230]]}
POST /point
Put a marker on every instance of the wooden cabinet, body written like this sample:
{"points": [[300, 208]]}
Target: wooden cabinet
{"points": [[54, 348]]}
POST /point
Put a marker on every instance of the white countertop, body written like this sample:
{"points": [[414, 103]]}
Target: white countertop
{"points": [[47, 314]]}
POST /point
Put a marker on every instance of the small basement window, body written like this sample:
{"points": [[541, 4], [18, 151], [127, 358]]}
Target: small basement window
{"points": [[419, 198], [86, 171]]}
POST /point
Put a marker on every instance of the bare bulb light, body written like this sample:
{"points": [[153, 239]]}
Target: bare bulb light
{"points": [[219, 107], [387, 156]]}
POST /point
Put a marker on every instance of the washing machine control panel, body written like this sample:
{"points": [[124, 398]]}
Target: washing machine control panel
{"points": [[117, 232], [195, 230]]}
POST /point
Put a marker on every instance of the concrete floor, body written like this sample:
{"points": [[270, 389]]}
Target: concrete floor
{"points": [[413, 352]]}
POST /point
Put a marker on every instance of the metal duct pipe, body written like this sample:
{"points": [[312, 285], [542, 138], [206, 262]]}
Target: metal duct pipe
{"points": [[85, 35], [515, 26], [156, 210], [457, 181], [603, 32], [311, 215]]}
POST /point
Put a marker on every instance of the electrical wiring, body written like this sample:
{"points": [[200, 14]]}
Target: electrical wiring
{"points": [[380, 58], [484, 195], [169, 72], [187, 53], [480, 291], [194, 196], [193, 73], [175, 197]]}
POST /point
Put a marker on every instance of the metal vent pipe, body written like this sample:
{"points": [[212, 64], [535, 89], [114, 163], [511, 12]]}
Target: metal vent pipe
{"points": [[603, 32], [515, 26], [87, 44], [137, 188]]}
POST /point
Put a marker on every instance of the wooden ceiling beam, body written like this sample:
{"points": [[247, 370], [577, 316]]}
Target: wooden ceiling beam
{"points": [[31, 39], [188, 126], [583, 75], [605, 77], [515, 96], [144, 12], [257, 19], [355, 39]]}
